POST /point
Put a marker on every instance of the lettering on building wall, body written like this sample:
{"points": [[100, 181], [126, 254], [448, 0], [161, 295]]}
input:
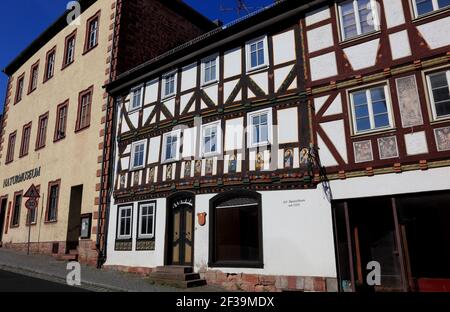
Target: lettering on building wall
{"points": [[25, 176]]}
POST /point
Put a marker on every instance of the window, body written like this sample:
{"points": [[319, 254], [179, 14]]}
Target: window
{"points": [[260, 128], [422, 7], [136, 99], [34, 75], [257, 54], [50, 65], [16, 209], [32, 213], [69, 51], [92, 28], [439, 92], [52, 203], [19, 88], [236, 233], [209, 70], [146, 220], [124, 222], [24, 146], [84, 109], [138, 151], [42, 131], [212, 137], [61, 121], [371, 109], [11, 147], [169, 84], [171, 147], [358, 17]]}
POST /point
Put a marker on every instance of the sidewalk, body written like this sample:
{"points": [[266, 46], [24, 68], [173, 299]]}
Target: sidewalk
{"points": [[48, 268]]}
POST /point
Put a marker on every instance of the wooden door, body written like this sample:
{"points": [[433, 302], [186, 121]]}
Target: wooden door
{"points": [[181, 233]]}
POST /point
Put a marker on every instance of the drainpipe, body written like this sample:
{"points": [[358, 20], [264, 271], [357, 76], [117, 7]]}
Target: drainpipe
{"points": [[101, 248]]}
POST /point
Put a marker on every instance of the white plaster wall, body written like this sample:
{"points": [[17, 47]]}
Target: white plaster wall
{"points": [[400, 46], [151, 258], [288, 125], [320, 38], [326, 157], [436, 33], [189, 142], [134, 118], [296, 240], [416, 143], [234, 128], [151, 92], [228, 88], [213, 92], [363, 55], [335, 130], [280, 75], [392, 183], [318, 15], [189, 77], [232, 63], [262, 80], [393, 10], [323, 66], [153, 149], [283, 47]]}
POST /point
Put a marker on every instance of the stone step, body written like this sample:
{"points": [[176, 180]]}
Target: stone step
{"points": [[175, 269], [179, 284], [175, 276]]}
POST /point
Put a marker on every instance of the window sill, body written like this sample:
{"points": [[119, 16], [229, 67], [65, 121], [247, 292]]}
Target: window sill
{"points": [[427, 16], [124, 239], [146, 238], [134, 110], [7, 162], [67, 65], [256, 145], [50, 222], [56, 140], [87, 50], [24, 155], [209, 155], [210, 83], [32, 224], [14, 226], [373, 132], [440, 120], [31, 91], [359, 39], [136, 168], [257, 69], [82, 129], [167, 97], [169, 161], [39, 148], [47, 79]]}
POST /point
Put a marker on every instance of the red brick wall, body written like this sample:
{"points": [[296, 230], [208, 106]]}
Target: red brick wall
{"points": [[148, 28]]}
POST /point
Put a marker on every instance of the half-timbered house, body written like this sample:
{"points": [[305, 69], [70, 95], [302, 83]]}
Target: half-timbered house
{"points": [[212, 163], [378, 76]]}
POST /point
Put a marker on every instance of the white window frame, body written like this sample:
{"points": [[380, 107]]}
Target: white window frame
{"points": [[250, 116], [387, 95], [430, 92], [131, 107], [119, 216], [217, 125], [176, 133], [375, 14], [214, 58], [153, 206], [133, 166], [164, 80], [435, 8], [248, 53]]}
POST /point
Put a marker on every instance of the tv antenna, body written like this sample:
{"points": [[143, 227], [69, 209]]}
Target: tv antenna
{"points": [[240, 7]]}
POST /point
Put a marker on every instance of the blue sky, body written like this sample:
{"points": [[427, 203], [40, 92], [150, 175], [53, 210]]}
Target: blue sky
{"points": [[21, 21]]}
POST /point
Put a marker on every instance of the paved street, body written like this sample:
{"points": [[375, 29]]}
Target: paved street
{"points": [[47, 268], [21, 283]]}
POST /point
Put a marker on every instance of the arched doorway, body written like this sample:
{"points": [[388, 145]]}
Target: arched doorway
{"points": [[180, 229]]}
